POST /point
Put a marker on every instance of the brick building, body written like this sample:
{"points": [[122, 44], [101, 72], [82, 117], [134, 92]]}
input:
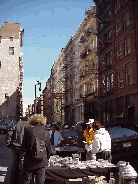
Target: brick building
{"points": [[125, 58], [11, 73], [117, 51]]}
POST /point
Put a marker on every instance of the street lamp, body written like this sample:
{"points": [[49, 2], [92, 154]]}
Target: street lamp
{"points": [[37, 83]]}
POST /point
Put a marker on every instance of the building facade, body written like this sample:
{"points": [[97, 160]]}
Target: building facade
{"points": [[50, 98], [11, 71], [59, 88], [69, 105], [117, 52], [125, 59]]}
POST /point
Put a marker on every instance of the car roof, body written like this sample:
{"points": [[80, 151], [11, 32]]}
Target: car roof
{"points": [[118, 131]]}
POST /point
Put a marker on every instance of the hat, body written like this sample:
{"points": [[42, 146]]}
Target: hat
{"points": [[90, 121]]}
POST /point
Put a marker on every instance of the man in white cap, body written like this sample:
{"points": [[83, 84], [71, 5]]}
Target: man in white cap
{"points": [[89, 134]]}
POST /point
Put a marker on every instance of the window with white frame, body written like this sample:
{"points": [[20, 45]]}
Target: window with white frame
{"points": [[108, 84], [126, 20], [117, 5], [119, 51], [118, 27], [11, 50], [127, 45], [129, 74], [120, 78]]}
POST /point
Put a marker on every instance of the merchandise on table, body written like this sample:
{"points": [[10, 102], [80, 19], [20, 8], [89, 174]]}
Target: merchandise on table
{"points": [[74, 162]]}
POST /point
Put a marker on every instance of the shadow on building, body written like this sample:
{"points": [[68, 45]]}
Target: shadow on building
{"points": [[10, 109]]}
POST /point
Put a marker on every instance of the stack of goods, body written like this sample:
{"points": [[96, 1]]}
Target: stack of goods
{"points": [[74, 162]]}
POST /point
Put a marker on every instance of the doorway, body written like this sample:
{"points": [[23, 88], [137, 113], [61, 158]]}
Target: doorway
{"points": [[131, 112]]}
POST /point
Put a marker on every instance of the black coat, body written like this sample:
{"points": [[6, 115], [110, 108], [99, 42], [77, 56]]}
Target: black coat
{"points": [[15, 135], [28, 141]]}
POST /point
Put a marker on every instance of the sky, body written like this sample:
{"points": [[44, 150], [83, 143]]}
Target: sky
{"points": [[48, 25]]}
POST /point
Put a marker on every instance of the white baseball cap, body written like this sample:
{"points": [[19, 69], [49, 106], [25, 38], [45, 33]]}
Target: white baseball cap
{"points": [[90, 121]]}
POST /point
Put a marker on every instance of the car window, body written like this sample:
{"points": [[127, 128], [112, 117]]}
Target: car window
{"points": [[118, 132], [69, 133]]}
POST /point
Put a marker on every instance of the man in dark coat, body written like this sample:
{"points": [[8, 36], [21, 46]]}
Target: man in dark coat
{"points": [[31, 164], [14, 143]]}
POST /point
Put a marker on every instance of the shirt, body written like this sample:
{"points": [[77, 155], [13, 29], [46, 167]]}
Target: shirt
{"points": [[89, 135]]}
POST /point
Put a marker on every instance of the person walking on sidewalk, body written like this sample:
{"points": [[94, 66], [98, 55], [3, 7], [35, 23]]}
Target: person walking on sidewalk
{"points": [[14, 143], [89, 134], [37, 146]]}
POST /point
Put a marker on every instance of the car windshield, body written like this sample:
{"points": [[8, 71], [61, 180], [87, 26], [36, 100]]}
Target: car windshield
{"points": [[69, 133], [119, 132]]}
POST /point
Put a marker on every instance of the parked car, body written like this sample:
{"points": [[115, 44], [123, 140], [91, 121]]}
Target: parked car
{"points": [[124, 141], [3, 129], [69, 137]]}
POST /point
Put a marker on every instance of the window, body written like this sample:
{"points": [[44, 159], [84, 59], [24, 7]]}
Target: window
{"points": [[103, 116], [6, 95], [117, 5], [11, 50], [82, 39], [109, 35], [127, 46], [0, 39], [124, 2], [119, 51], [109, 57], [108, 84], [118, 27], [126, 19], [100, 26], [120, 78], [92, 88], [108, 15], [111, 81], [129, 74], [104, 84], [11, 38]]}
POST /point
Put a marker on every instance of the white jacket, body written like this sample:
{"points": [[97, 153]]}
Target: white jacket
{"points": [[57, 137], [101, 141]]}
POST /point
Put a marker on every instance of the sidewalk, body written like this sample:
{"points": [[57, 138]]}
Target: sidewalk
{"points": [[5, 161]]}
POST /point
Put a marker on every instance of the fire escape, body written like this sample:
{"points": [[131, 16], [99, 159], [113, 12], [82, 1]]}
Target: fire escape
{"points": [[104, 55]]}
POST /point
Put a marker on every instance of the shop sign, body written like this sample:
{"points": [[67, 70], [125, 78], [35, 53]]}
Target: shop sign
{"points": [[57, 95]]}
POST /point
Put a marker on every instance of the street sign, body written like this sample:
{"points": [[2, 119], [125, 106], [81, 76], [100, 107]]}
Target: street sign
{"points": [[57, 95]]}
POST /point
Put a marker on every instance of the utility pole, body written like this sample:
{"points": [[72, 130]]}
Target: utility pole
{"points": [[37, 83]]}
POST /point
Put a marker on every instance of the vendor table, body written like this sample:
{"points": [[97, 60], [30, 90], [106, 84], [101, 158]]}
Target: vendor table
{"points": [[63, 173]]}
